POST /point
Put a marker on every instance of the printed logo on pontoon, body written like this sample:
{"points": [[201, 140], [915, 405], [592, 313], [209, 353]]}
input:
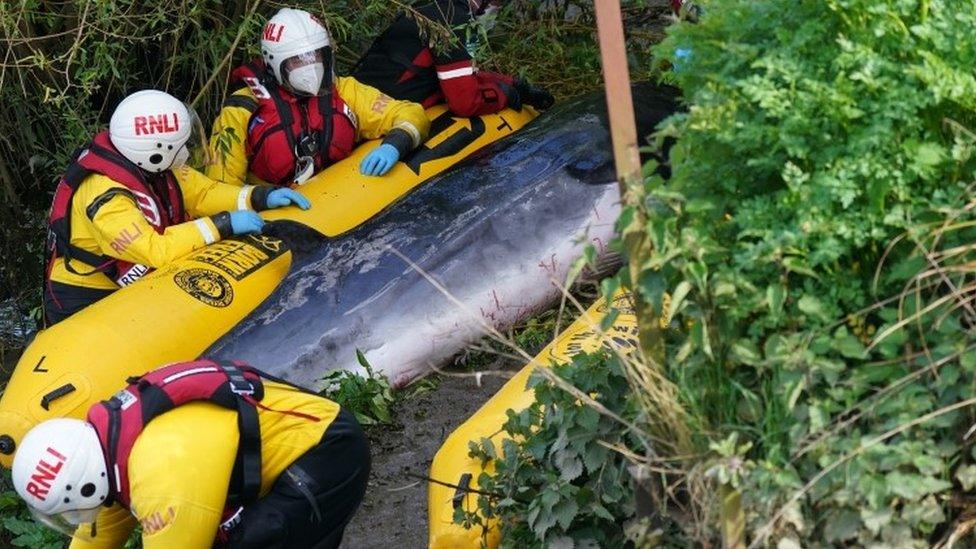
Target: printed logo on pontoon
{"points": [[267, 242], [621, 302], [235, 257], [207, 286]]}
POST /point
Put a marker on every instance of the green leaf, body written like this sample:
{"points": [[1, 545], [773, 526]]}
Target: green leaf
{"points": [[569, 464], [746, 352], [361, 358], [678, 296], [849, 346], [876, 519], [775, 296], [925, 512], [601, 511], [913, 487], [565, 511], [799, 266], [966, 475], [841, 526], [968, 360], [930, 154], [812, 306]]}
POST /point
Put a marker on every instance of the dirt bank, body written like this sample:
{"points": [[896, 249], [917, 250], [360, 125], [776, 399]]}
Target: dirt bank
{"points": [[395, 508]]}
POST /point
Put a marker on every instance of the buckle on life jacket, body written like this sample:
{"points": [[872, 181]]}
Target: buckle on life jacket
{"points": [[230, 520], [239, 385], [307, 144]]}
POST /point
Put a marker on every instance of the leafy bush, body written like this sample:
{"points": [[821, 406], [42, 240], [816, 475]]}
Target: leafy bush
{"points": [[369, 396], [555, 480], [818, 226]]}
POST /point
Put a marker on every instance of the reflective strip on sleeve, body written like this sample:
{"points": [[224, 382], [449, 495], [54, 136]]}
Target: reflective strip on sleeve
{"points": [[456, 73], [412, 130], [208, 236], [243, 196]]}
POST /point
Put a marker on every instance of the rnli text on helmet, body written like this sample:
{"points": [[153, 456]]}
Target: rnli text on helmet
{"points": [[149, 125], [44, 475]]}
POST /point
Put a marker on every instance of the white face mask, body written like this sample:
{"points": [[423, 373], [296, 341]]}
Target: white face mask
{"points": [[307, 79]]}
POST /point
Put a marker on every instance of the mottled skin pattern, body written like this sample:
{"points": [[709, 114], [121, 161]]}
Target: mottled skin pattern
{"points": [[496, 231]]}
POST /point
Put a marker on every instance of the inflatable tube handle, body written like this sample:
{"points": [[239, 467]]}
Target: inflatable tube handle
{"points": [[464, 486], [61, 391]]}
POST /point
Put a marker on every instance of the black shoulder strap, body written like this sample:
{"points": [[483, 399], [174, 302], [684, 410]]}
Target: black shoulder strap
{"points": [[114, 429], [325, 138], [248, 103], [245, 483], [248, 460]]}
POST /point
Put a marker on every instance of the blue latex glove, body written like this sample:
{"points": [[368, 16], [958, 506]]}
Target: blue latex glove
{"points": [[285, 196], [245, 222], [380, 161]]}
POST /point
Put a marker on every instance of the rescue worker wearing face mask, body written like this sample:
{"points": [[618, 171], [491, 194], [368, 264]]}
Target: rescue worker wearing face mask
{"points": [[292, 117], [199, 454], [128, 203], [403, 63]]}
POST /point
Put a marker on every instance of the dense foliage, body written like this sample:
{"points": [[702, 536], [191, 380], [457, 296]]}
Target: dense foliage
{"points": [[556, 481], [819, 219], [816, 240]]}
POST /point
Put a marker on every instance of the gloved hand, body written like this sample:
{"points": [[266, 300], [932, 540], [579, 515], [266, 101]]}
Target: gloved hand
{"points": [[285, 196], [380, 160], [533, 95], [245, 222]]}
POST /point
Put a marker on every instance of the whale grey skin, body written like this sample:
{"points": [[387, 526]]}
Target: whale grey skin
{"points": [[498, 231]]}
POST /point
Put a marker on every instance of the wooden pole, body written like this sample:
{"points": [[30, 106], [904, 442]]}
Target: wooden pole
{"points": [[620, 104], [623, 131]]}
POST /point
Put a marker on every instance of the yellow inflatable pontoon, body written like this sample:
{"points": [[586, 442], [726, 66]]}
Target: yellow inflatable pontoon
{"points": [[452, 465], [177, 312], [342, 199]]}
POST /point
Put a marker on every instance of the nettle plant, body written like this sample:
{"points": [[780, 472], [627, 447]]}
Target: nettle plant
{"points": [[820, 209], [555, 479]]}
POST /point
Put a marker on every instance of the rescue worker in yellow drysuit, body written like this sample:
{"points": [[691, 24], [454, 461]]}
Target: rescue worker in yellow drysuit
{"points": [[291, 117], [128, 203], [228, 457]]}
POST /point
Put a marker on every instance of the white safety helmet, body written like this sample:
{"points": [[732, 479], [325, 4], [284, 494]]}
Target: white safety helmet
{"points": [[59, 470], [151, 128], [298, 49]]}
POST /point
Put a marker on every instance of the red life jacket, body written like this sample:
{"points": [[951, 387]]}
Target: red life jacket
{"points": [[285, 127], [161, 202], [121, 419]]}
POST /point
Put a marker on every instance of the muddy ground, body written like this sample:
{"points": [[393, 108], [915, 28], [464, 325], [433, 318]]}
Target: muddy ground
{"points": [[395, 508]]}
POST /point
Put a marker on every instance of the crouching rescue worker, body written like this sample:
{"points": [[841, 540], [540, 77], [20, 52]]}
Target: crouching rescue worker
{"points": [[128, 203], [403, 63], [200, 453], [291, 117]]}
